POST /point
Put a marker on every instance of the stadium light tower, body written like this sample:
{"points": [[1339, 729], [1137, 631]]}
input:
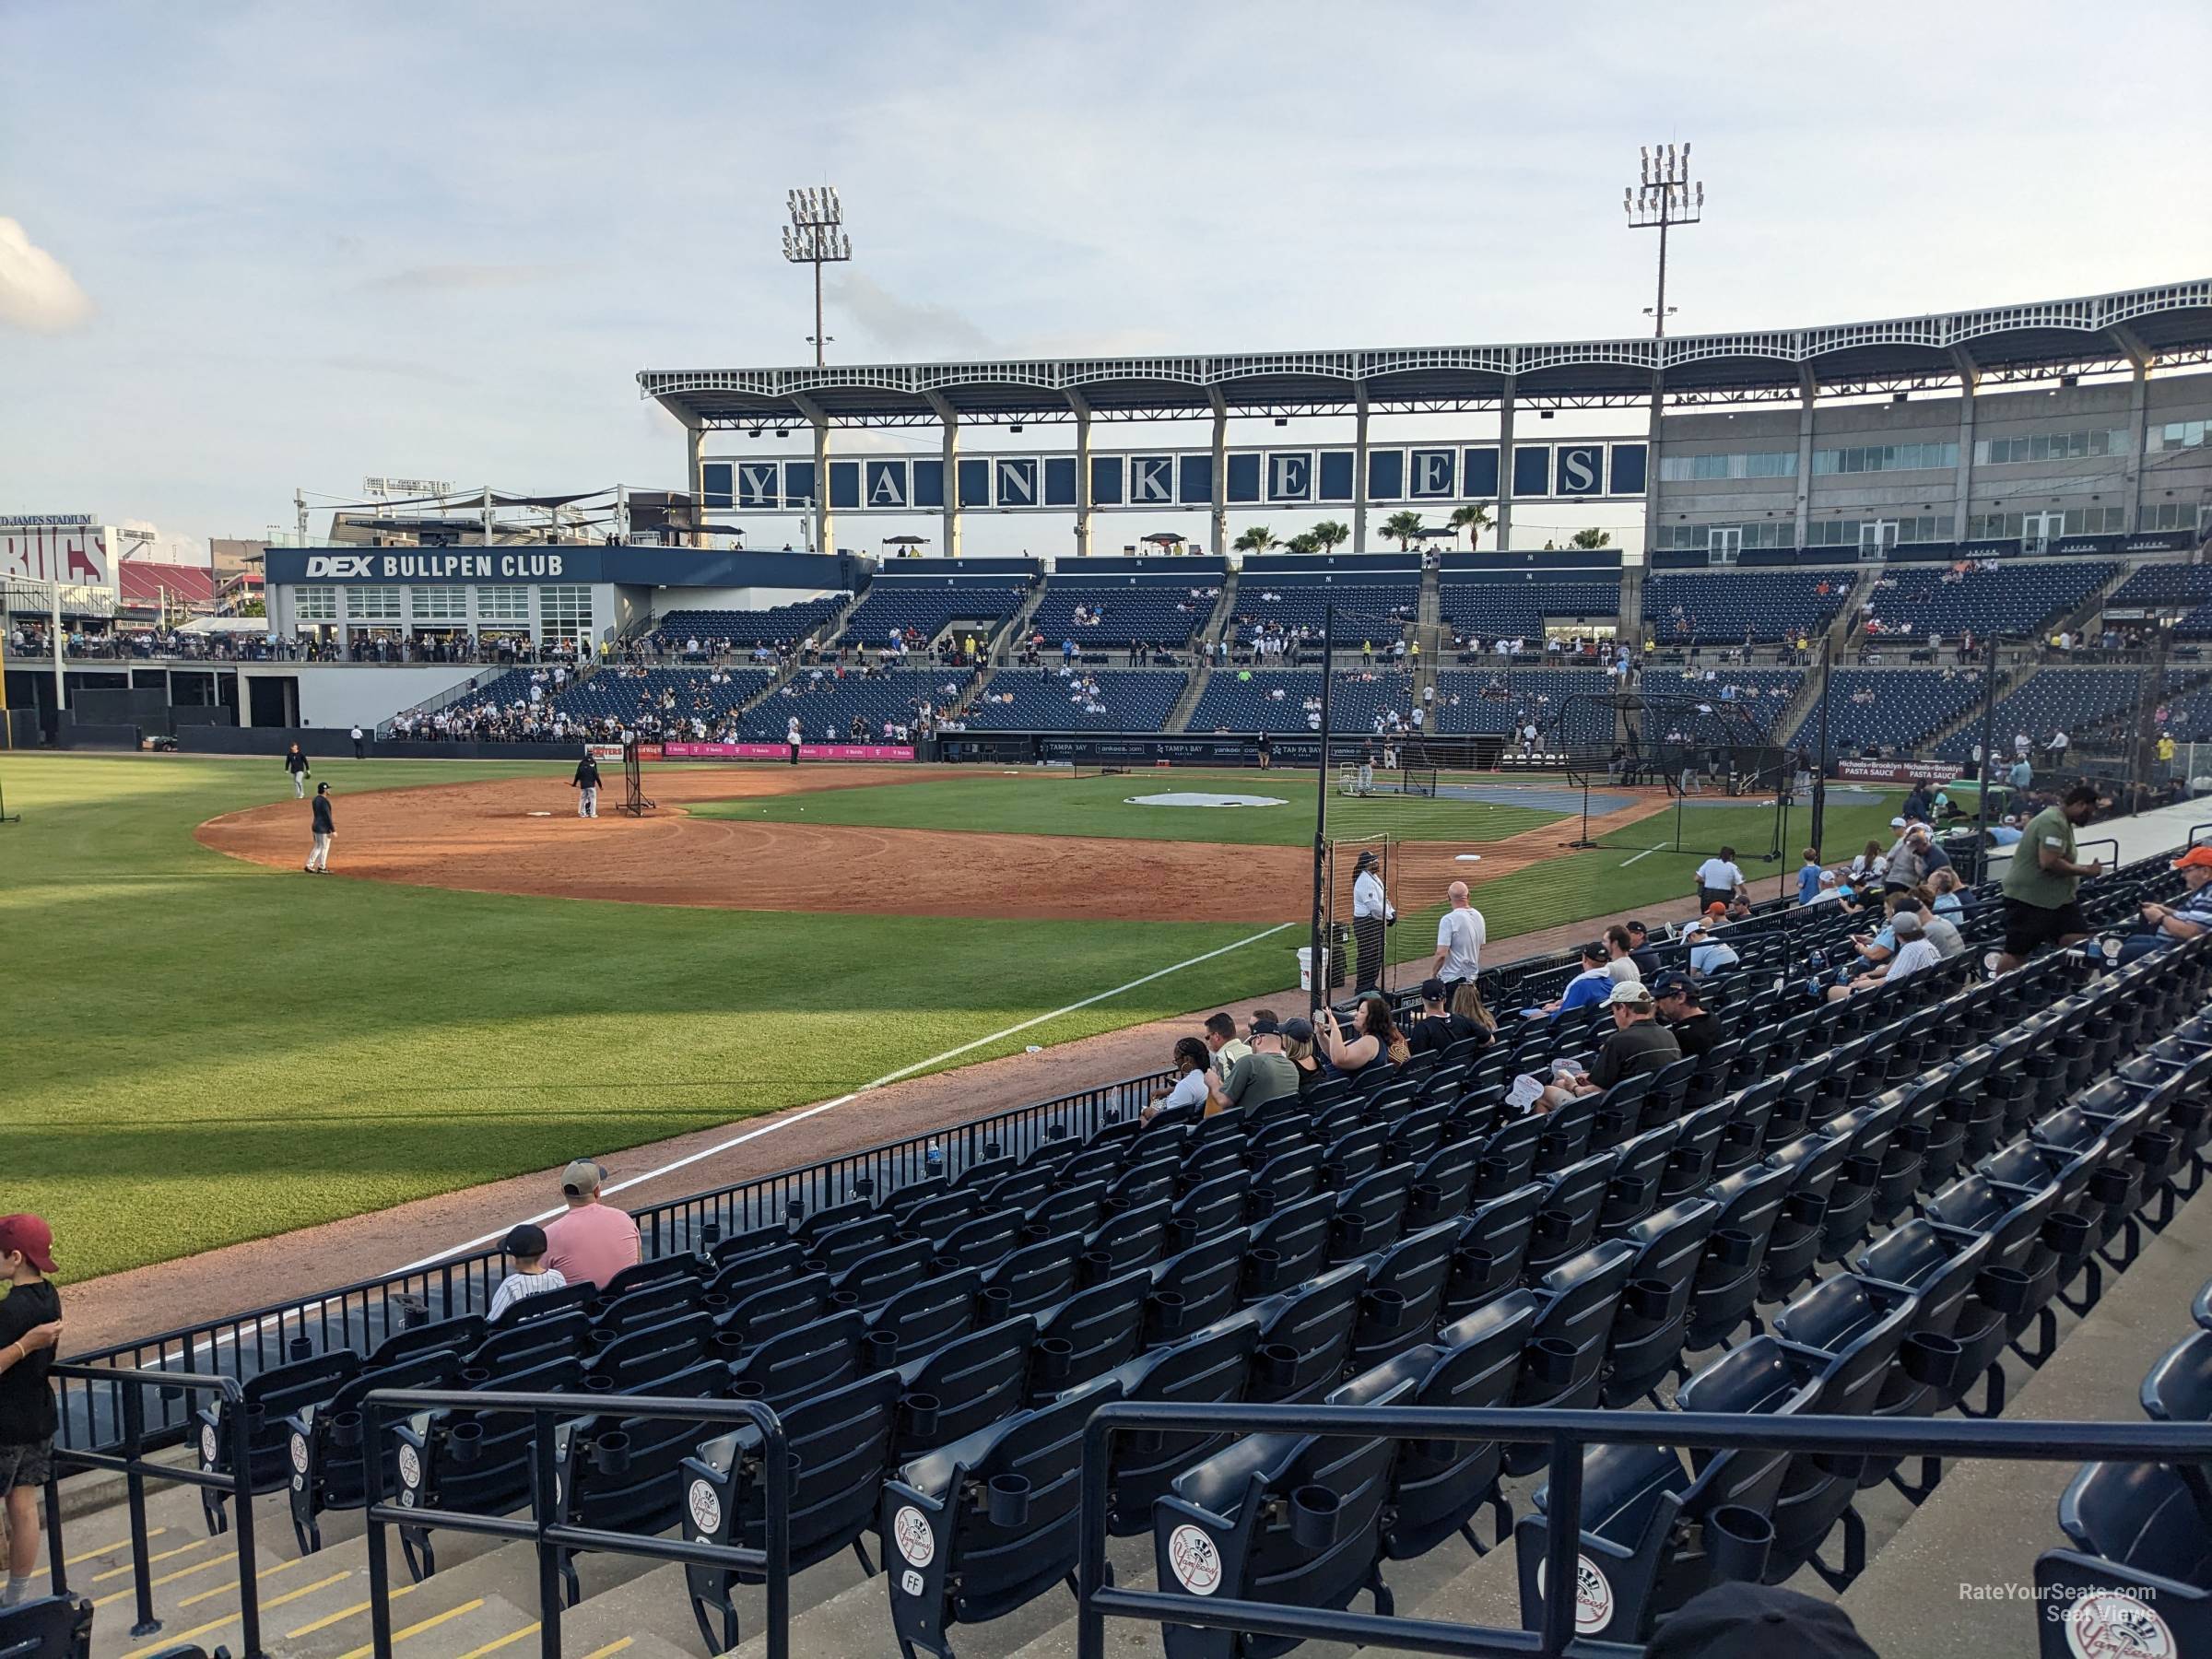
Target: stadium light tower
{"points": [[816, 237], [1665, 197]]}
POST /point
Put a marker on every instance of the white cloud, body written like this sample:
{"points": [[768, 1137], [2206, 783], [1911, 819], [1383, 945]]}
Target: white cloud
{"points": [[165, 548], [904, 326], [35, 289]]}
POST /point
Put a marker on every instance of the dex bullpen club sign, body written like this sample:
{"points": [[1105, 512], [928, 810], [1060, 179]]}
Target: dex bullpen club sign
{"points": [[428, 566]]}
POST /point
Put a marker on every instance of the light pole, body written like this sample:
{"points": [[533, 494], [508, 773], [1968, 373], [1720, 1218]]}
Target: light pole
{"points": [[816, 237], [1665, 197]]}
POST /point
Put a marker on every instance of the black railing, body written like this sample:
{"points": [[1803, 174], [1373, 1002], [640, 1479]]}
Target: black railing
{"points": [[546, 1532], [130, 1459], [1567, 1433]]}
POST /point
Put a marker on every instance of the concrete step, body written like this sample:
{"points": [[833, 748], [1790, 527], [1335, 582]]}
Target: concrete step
{"points": [[1984, 1526]]}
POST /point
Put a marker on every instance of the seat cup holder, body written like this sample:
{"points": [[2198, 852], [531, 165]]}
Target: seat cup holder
{"points": [[1428, 1198], [921, 1411], [475, 1375], [1862, 1170], [1649, 1297], [1554, 1223], [1737, 1541], [1260, 1203], [1278, 1364], [715, 1303], [1098, 1265], [794, 1211], [299, 1348], [996, 1299], [598, 1383], [1474, 1266], [610, 1453], [1316, 1517], [599, 1336], [1934, 1361], [1008, 1501], [2111, 1186], [1266, 1266], [993, 1149], [748, 1388], [1550, 1360], [1055, 1357], [2069, 1237], [1057, 1132], [1807, 1209], [1170, 1312], [1036, 1232], [728, 1345], [464, 1442], [709, 1235], [883, 1350], [346, 1429], [939, 1266], [1387, 1308], [1731, 1247], [814, 1265], [2006, 1290]]}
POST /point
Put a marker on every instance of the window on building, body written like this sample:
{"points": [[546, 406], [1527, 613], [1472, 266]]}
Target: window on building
{"points": [[1886, 457], [2168, 516], [503, 604], [2051, 446], [1690, 539], [564, 612], [439, 604], [372, 604], [1851, 533], [315, 604], [1760, 464], [2076, 521], [2176, 434]]}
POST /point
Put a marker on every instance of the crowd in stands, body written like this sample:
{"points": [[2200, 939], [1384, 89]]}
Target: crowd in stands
{"points": [[1068, 699], [1752, 607]]}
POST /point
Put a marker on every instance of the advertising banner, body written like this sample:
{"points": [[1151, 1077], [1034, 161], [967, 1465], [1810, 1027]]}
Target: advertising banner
{"points": [[777, 751], [1897, 771]]}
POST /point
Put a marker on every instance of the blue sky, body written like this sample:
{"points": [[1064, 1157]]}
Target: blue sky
{"points": [[247, 247]]}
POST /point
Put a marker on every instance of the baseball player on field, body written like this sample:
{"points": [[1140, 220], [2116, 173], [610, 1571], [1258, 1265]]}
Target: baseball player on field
{"points": [[586, 786]]}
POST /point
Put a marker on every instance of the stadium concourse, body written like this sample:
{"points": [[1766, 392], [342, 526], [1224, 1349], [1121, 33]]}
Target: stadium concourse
{"points": [[1962, 1196]]}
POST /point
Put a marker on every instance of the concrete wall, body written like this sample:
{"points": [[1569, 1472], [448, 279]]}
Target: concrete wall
{"points": [[338, 694]]}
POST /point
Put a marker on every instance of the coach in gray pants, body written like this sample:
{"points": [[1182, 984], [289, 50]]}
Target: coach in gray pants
{"points": [[586, 784]]}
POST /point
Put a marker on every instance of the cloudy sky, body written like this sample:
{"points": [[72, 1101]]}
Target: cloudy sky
{"points": [[245, 248]]}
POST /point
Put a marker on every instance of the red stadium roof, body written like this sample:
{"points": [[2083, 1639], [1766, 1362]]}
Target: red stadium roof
{"points": [[146, 584]]}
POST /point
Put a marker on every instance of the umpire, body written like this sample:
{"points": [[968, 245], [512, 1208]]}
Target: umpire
{"points": [[1371, 914], [586, 784]]}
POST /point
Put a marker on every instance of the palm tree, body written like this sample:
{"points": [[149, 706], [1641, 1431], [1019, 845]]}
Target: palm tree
{"points": [[1305, 541], [1329, 535], [1591, 538], [1257, 539], [1402, 528], [1474, 518]]}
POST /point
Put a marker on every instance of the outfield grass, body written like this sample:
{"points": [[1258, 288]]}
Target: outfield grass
{"points": [[1048, 803], [200, 1049]]}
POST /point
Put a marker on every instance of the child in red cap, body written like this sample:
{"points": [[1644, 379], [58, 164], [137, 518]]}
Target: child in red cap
{"points": [[30, 1325]]}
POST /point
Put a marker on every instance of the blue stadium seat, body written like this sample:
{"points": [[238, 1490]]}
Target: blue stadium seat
{"points": [[928, 605], [1211, 1367], [780, 624], [2177, 1389], [2010, 598], [1724, 607], [1119, 610], [1103, 699], [1519, 609], [2139, 1576], [1436, 1488]]}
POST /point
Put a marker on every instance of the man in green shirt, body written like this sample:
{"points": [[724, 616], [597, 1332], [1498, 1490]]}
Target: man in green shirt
{"points": [[1262, 1075], [2041, 881]]}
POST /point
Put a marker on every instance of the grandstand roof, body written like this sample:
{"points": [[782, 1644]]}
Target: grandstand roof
{"points": [[2039, 340]]}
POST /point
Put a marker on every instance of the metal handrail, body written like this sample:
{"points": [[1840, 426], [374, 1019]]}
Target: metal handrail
{"points": [[545, 1531], [135, 1471], [1567, 1432]]}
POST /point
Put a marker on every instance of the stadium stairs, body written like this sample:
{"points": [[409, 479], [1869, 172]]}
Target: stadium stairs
{"points": [[1009, 637], [2008, 681], [1179, 717]]}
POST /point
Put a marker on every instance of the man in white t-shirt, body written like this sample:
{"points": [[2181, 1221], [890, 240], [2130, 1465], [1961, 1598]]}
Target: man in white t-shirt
{"points": [[1719, 878], [1915, 953], [1460, 936]]}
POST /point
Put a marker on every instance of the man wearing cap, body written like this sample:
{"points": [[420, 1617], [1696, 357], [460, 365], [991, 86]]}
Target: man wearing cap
{"points": [[2168, 924], [1914, 955], [525, 1248], [30, 1325], [2043, 879], [594, 1242], [1460, 936], [1708, 954], [1371, 913], [1908, 859], [1641, 951], [1262, 1073], [1682, 1011], [1587, 988], [1719, 880], [1825, 891], [1639, 1044]]}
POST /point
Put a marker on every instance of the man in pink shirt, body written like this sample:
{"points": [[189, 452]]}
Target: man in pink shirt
{"points": [[594, 1242]]}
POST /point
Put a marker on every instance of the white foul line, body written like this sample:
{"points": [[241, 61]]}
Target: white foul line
{"points": [[784, 1120], [1645, 853]]}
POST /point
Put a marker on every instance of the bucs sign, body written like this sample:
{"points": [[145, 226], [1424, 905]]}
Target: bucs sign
{"points": [[67, 548]]}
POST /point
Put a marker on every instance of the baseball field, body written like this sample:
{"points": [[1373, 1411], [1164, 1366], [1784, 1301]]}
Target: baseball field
{"points": [[204, 1045]]}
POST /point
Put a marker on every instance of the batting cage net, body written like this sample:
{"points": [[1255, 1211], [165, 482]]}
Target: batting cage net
{"points": [[633, 779]]}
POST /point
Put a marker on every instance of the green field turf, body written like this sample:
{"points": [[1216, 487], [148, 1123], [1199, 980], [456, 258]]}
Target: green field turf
{"points": [[1045, 803], [200, 1049]]}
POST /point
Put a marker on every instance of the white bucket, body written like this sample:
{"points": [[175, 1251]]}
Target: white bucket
{"points": [[1305, 967]]}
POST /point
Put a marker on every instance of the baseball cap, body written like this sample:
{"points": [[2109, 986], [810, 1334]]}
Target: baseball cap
{"points": [[1716, 909], [1675, 985], [1299, 1031], [1432, 990], [30, 1235], [582, 1177], [1265, 1026], [1595, 951], [1629, 994], [528, 1238], [1897, 823], [1828, 879], [1636, 927], [1738, 1621], [1905, 924], [2197, 858]]}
